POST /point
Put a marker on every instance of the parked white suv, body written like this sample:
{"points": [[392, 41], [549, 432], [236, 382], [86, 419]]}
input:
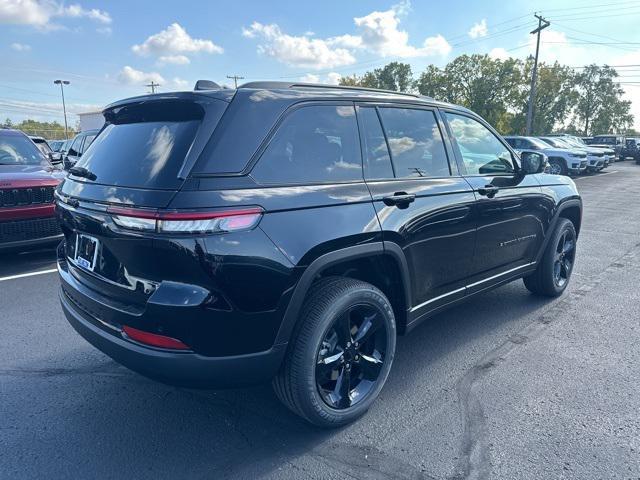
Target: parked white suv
{"points": [[562, 161], [596, 158], [579, 143]]}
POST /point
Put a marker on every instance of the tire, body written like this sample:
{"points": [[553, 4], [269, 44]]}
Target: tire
{"points": [[311, 361], [557, 167], [547, 280]]}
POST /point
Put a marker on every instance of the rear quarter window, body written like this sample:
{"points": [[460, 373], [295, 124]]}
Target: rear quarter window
{"points": [[313, 144]]}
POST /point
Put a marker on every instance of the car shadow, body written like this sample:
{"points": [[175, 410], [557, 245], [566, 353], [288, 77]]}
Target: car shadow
{"points": [[15, 262], [97, 419]]}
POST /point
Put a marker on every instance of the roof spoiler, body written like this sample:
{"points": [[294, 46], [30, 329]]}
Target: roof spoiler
{"points": [[206, 85]]}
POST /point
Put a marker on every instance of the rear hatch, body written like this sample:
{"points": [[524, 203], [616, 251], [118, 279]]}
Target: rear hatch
{"points": [[139, 161]]}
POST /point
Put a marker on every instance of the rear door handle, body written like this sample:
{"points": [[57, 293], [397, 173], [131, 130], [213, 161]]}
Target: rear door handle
{"points": [[399, 199], [488, 191]]}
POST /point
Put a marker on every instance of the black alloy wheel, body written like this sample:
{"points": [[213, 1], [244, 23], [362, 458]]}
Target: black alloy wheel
{"points": [[351, 356], [553, 272], [564, 257], [340, 352]]}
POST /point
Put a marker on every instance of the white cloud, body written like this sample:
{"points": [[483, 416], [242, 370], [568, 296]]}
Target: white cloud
{"points": [[380, 33], [173, 60], [39, 13], [20, 47], [179, 83], [499, 53], [130, 76], [299, 51], [437, 45], [346, 41], [104, 30], [173, 42], [333, 78], [479, 29], [310, 78], [76, 11]]}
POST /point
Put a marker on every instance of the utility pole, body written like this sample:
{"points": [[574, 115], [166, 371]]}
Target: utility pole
{"points": [[542, 24], [64, 107], [235, 79], [153, 86]]}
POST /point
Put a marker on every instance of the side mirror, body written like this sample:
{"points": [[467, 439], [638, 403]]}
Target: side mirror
{"points": [[54, 158], [533, 162]]}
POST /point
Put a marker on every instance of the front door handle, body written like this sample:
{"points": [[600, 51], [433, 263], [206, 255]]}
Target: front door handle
{"points": [[399, 199], [488, 191]]}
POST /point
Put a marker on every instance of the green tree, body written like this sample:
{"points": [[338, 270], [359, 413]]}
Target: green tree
{"points": [[555, 98], [600, 107], [490, 87], [48, 130], [393, 76]]}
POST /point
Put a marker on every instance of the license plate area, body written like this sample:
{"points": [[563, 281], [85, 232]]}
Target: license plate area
{"points": [[86, 251]]}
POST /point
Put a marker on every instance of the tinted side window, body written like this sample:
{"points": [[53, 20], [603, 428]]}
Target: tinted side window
{"points": [[87, 141], [481, 151], [317, 143], [377, 162], [417, 149], [74, 149]]}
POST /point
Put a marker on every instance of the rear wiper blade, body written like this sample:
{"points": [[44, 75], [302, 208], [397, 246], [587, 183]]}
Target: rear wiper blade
{"points": [[82, 172]]}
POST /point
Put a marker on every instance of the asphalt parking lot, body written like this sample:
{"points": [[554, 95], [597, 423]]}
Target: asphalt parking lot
{"points": [[506, 386]]}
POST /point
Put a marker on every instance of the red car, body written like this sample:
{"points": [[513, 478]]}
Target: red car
{"points": [[27, 182]]}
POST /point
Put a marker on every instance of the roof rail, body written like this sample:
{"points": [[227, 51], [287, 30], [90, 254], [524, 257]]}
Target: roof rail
{"points": [[282, 85]]}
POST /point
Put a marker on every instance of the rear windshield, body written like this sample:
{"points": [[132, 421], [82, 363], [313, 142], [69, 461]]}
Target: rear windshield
{"points": [[146, 155], [144, 145]]}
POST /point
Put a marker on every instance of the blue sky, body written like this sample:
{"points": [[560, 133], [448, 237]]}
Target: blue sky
{"points": [[110, 50]]}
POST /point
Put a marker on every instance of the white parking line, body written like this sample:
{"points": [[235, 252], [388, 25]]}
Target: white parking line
{"points": [[30, 274], [598, 175]]}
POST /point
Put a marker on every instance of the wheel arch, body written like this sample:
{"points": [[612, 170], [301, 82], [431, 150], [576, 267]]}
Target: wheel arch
{"points": [[380, 264], [570, 208]]}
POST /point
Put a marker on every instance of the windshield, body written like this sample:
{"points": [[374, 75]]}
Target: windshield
{"points": [[19, 150], [537, 143], [556, 142]]}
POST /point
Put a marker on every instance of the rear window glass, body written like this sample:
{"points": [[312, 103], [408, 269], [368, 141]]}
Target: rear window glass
{"points": [[313, 144], [146, 155]]}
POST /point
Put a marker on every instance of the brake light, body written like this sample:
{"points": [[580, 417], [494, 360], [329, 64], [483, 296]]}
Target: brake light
{"points": [[219, 221], [154, 339]]}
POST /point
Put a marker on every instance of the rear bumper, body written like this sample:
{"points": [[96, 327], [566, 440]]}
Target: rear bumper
{"points": [[182, 368]]}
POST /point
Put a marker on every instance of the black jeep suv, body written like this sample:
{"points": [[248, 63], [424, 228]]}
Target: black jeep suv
{"points": [[289, 232]]}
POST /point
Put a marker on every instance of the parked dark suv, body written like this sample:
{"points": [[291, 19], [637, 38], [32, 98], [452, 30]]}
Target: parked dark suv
{"points": [[290, 232], [77, 147]]}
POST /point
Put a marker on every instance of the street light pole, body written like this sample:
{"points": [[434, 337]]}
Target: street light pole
{"points": [[64, 107]]}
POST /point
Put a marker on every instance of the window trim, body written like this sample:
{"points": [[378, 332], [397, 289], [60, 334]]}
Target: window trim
{"points": [[410, 106], [458, 155], [255, 159]]}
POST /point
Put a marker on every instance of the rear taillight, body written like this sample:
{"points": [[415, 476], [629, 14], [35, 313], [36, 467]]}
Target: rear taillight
{"points": [[218, 221], [153, 339]]}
